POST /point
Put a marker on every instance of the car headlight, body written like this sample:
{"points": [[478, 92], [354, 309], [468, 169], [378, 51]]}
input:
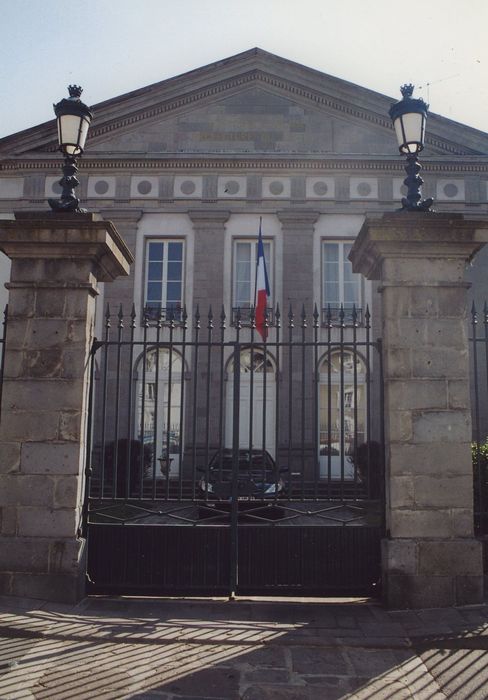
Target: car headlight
{"points": [[207, 487]]}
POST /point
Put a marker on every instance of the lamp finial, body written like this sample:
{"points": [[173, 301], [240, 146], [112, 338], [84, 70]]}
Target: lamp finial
{"points": [[407, 90], [75, 91]]}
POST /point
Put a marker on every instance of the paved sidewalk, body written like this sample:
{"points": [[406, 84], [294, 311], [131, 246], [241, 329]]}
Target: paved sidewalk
{"points": [[160, 649]]}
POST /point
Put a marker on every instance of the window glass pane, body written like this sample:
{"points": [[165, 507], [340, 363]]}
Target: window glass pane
{"points": [[331, 293], [243, 252], [155, 271], [173, 291], [243, 294], [174, 271], [175, 251], [351, 293], [331, 252], [156, 250], [153, 291], [331, 272], [243, 271]]}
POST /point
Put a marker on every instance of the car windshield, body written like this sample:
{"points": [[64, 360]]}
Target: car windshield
{"points": [[246, 460]]}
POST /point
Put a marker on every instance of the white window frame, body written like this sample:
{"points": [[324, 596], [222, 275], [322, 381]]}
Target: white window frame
{"points": [[164, 282], [253, 242], [337, 303]]}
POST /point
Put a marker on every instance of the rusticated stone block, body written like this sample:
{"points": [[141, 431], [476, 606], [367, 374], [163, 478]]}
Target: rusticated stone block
{"points": [[22, 395], [66, 556], [399, 555], [61, 588], [399, 426], [50, 458], [469, 590], [398, 363], [407, 332], [419, 271], [9, 457], [51, 303], [24, 554], [20, 489], [19, 425], [430, 458], [458, 394], [8, 520], [413, 523], [402, 491], [447, 332], [440, 362], [417, 394], [443, 491], [43, 363], [47, 522], [423, 302], [67, 492], [405, 591], [396, 303], [71, 426], [461, 522], [22, 303], [441, 426], [450, 558], [452, 302]]}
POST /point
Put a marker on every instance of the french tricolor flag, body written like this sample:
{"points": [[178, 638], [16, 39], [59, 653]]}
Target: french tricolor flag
{"points": [[262, 288]]}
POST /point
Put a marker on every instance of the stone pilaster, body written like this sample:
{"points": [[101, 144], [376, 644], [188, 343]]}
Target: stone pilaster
{"points": [[430, 556], [208, 278], [57, 261], [122, 292], [298, 228]]}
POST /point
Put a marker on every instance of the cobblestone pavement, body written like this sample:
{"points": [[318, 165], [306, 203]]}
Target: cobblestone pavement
{"points": [[162, 649]]}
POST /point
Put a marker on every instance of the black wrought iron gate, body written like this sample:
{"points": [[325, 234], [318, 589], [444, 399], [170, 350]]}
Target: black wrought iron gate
{"points": [[225, 463]]}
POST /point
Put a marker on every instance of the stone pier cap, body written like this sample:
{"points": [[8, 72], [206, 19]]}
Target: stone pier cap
{"points": [[40, 235], [421, 235]]}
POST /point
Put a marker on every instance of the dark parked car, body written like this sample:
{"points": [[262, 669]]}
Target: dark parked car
{"points": [[258, 477]]}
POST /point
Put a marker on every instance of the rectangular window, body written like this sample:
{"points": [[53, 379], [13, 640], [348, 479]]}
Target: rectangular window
{"points": [[164, 279], [341, 287], [244, 275]]}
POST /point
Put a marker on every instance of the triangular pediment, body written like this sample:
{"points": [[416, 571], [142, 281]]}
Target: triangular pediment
{"points": [[254, 102]]}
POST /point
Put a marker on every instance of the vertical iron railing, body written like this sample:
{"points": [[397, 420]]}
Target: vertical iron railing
{"points": [[3, 339], [162, 396], [479, 398]]}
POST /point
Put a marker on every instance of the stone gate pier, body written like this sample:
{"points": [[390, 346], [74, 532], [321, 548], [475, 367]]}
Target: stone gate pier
{"points": [[430, 557], [57, 262]]}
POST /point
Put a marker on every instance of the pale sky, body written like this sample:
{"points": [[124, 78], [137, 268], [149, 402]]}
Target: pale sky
{"points": [[110, 47]]}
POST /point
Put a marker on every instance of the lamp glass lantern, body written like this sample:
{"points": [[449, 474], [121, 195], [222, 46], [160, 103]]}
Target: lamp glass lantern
{"points": [[409, 117], [73, 119]]}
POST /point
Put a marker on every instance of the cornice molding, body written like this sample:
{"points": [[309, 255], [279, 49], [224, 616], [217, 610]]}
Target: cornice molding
{"points": [[89, 166]]}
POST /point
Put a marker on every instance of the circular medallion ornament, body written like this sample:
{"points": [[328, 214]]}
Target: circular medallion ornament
{"points": [[276, 187], [231, 187], [364, 189], [320, 189], [450, 190], [144, 187], [101, 187], [188, 187]]}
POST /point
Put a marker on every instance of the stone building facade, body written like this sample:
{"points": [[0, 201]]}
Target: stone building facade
{"points": [[188, 167]]}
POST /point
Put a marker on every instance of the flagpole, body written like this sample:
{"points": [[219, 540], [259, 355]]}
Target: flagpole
{"points": [[257, 263]]}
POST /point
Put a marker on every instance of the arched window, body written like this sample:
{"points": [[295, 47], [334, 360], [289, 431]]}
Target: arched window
{"points": [[257, 410], [159, 407], [342, 412]]}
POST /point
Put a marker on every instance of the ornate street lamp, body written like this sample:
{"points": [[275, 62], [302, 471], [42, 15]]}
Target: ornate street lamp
{"points": [[409, 117], [73, 119]]}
